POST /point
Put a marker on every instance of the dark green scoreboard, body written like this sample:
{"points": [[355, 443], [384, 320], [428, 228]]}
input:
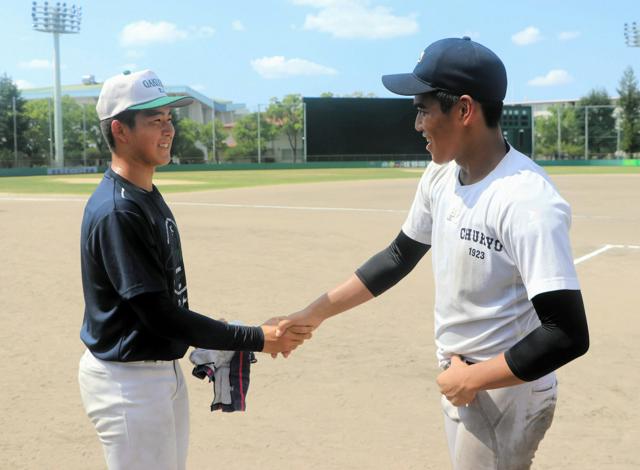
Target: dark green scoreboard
{"points": [[367, 129], [348, 129], [517, 127]]}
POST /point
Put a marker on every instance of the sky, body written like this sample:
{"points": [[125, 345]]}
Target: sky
{"points": [[250, 51]]}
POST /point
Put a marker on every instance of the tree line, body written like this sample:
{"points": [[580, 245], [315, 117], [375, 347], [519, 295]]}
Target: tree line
{"points": [[559, 133], [594, 124], [30, 129]]}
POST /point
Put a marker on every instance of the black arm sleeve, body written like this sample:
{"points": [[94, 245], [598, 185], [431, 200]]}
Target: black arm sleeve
{"points": [[562, 337], [387, 268], [158, 313]]}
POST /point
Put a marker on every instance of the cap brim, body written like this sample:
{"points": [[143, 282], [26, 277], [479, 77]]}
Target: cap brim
{"points": [[406, 84], [171, 101]]}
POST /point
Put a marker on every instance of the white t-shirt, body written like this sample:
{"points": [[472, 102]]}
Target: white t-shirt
{"points": [[496, 244]]}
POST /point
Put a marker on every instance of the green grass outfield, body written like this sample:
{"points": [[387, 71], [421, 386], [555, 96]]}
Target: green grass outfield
{"points": [[170, 182]]}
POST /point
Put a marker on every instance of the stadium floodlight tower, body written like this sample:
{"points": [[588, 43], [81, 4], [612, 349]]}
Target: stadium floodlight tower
{"points": [[631, 34], [57, 19]]}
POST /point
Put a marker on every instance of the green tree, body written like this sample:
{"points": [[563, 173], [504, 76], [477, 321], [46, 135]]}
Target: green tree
{"points": [[73, 135], [83, 141], [546, 133], [245, 134], [97, 150], [37, 138], [186, 140], [221, 137], [192, 138], [8, 92], [630, 105], [287, 116], [600, 121]]}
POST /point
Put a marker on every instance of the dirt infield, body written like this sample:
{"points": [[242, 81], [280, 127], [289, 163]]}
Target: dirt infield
{"points": [[361, 394]]}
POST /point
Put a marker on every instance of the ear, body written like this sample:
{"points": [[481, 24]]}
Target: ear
{"points": [[467, 109], [119, 132]]}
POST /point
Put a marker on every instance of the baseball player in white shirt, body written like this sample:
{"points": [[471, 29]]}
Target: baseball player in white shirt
{"points": [[508, 307]]}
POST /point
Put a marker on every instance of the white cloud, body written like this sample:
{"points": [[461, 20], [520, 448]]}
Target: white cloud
{"points": [[357, 19], [553, 78], [205, 31], [568, 35], [279, 67], [23, 84], [141, 33], [527, 36], [36, 64], [237, 25], [198, 87]]}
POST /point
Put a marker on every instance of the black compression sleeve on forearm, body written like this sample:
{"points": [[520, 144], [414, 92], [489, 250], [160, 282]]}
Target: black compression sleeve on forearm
{"points": [[385, 269], [562, 337], [158, 313]]}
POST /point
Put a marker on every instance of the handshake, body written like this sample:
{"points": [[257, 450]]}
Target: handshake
{"points": [[286, 333]]}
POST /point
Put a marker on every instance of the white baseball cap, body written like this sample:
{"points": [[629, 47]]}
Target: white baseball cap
{"points": [[138, 90]]}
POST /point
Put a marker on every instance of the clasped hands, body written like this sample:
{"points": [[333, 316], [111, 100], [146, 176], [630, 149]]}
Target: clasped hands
{"points": [[284, 334]]}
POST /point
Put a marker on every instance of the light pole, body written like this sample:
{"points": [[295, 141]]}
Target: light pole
{"points": [[259, 149], [631, 34], [57, 19], [15, 134], [304, 127], [213, 131], [559, 135], [84, 136]]}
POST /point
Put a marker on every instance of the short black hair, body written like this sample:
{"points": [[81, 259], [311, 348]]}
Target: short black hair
{"points": [[127, 117], [492, 112]]}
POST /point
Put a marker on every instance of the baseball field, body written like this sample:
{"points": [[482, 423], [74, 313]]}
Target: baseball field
{"points": [[361, 394]]}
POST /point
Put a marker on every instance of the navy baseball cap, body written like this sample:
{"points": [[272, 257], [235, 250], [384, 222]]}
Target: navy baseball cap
{"points": [[457, 65]]}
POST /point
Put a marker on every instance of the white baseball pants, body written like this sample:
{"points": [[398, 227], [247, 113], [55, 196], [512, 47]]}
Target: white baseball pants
{"points": [[500, 429], [140, 411]]}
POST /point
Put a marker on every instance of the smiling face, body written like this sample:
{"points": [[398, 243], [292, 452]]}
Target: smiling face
{"points": [[438, 128], [149, 140]]}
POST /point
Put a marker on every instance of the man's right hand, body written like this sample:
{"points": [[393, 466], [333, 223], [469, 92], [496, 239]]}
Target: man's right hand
{"points": [[286, 342], [307, 318]]}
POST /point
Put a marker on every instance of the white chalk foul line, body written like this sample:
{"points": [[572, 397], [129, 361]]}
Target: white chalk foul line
{"points": [[601, 250], [214, 204], [586, 257], [42, 199], [268, 206], [592, 254], [299, 208]]}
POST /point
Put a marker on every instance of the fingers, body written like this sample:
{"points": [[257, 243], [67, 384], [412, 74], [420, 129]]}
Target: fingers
{"points": [[297, 326], [300, 329], [297, 336], [461, 400], [283, 326], [455, 359], [285, 354], [287, 339]]}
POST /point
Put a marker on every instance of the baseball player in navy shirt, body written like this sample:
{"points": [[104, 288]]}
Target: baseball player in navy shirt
{"points": [[137, 321], [508, 307]]}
